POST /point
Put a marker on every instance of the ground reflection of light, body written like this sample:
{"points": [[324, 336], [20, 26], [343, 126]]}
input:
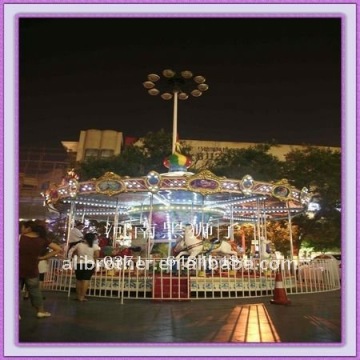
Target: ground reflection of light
{"points": [[248, 323]]}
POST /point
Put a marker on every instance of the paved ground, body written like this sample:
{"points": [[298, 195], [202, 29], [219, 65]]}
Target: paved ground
{"points": [[311, 318]]}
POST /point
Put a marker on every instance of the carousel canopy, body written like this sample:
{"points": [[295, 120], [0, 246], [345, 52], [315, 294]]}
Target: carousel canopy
{"points": [[202, 197]]}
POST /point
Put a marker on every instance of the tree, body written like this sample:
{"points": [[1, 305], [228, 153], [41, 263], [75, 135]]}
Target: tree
{"points": [[315, 168], [135, 160], [320, 171], [155, 147], [94, 167], [254, 160], [278, 232]]}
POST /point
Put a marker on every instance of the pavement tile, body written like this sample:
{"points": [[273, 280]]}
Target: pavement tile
{"points": [[247, 320]]}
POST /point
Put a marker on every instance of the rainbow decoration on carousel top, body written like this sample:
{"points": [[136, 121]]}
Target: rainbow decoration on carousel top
{"points": [[177, 161]]}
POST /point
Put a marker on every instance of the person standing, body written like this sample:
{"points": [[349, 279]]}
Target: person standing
{"points": [[32, 246], [76, 235], [42, 265], [84, 255]]}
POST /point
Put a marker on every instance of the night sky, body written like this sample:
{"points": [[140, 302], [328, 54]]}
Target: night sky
{"points": [[269, 79]]}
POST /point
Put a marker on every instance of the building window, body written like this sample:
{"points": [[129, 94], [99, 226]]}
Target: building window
{"points": [[91, 153], [106, 153]]}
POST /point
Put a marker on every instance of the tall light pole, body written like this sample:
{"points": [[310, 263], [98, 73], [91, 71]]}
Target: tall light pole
{"points": [[171, 85]]}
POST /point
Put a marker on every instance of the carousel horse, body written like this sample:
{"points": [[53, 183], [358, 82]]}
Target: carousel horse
{"points": [[192, 246], [265, 252]]}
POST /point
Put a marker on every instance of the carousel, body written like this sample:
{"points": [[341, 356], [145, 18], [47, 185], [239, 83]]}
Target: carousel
{"points": [[179, 209]]}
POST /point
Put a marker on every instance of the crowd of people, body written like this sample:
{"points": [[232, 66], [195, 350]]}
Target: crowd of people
{"points": [[34, 251], [83, 248]]}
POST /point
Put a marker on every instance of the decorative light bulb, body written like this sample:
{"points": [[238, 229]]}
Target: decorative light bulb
{"points": [[183, 96], [153, 77], [196, 93], [186, 74], [168, 73], [153, 91], [203, 87], [199, 79], [148, 84], [166, 96]]}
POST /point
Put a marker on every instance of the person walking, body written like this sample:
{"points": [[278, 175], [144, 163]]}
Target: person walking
{"points": [[32, 246], [84, 255]]}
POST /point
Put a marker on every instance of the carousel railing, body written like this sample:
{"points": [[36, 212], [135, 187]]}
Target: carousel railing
{"points": [[167, 279]]}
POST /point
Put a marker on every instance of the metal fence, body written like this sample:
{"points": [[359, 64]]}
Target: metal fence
{"points": [[201, 278]]}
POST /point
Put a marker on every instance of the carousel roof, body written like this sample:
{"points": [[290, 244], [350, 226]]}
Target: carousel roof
{"points": [[202, 194]]}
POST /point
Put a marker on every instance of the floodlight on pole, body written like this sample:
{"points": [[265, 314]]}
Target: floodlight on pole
{"points": [[172, 85]]}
